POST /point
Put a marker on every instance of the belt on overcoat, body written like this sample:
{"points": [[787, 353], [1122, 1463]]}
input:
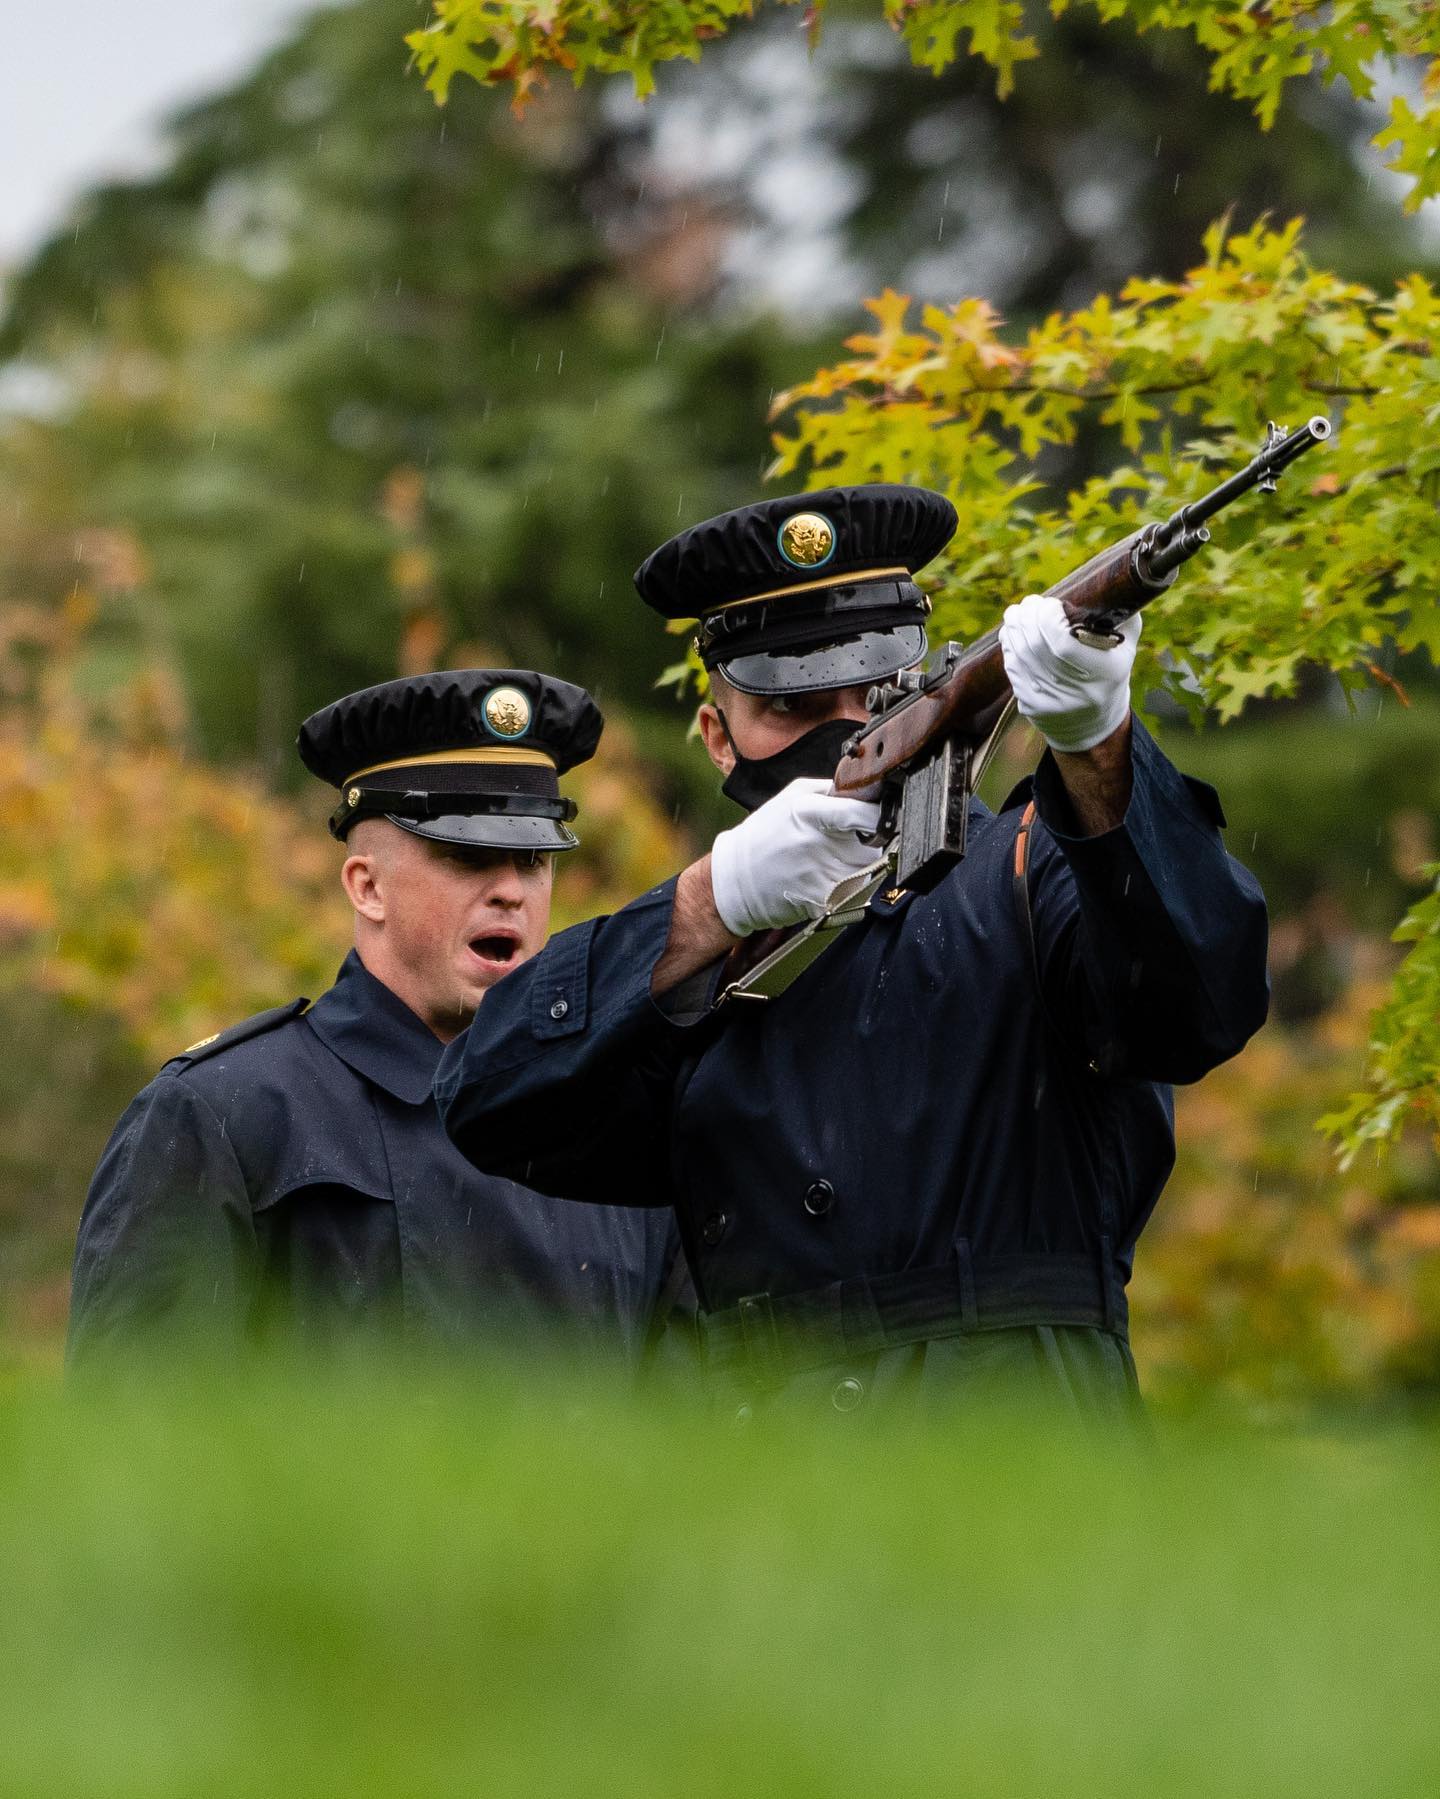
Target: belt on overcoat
{"points": [[775, 1335]]}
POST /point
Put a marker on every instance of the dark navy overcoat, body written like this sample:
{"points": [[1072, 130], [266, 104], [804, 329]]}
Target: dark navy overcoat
{"points": [[927, 1163], [290, 1180]]}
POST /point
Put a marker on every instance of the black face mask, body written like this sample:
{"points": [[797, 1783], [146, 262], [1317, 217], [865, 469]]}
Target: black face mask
{"points": [[753, 780]]}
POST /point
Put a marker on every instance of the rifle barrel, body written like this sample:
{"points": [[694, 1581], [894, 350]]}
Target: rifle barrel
{"points": [[1274, 457]]}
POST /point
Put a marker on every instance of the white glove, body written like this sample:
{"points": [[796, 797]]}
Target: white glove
{"points": [[1074, 694], [781, 865]]}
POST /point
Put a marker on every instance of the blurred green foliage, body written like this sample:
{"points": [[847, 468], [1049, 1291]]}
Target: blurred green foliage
{"points": [[424, 1586], [1328, 798], [354, 387]]}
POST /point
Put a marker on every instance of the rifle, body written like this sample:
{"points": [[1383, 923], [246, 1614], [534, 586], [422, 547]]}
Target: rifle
{"points": [[932, 732]]}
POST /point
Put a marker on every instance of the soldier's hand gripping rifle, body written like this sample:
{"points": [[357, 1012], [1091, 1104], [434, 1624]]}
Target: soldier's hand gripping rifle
{"points": [[931, 731]]}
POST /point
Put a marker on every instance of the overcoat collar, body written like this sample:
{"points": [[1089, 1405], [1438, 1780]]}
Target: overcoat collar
{"points": [[376, 1033]]}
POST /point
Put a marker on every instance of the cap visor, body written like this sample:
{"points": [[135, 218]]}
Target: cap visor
{"points": [[481, 831], [872, 656]]}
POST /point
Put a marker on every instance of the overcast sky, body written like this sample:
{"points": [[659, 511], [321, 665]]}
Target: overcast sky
{"points": [[85, 84]]}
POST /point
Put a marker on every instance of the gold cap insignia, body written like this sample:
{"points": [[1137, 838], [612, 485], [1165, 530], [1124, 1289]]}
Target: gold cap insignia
{"points": [[807, 539], [507, 712], [353, 797]]}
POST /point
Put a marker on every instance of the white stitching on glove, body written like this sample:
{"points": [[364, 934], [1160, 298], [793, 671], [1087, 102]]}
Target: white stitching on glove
{"points": [[781, 864], [1072, 692]]}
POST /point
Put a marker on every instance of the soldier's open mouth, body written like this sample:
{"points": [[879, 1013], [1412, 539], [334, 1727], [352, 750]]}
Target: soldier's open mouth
{"points": [[494, 949]]}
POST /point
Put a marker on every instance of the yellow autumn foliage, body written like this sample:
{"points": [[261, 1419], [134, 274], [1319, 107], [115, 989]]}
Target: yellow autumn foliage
{"points": [[177, 897]]}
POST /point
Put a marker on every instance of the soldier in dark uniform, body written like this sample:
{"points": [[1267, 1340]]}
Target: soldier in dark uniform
{"points": [[923, 1168], [288, 1181]]}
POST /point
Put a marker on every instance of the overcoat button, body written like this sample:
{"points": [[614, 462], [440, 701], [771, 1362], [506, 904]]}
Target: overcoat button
{"points": [[818, 1198], [560, 1008], [714, 1228], [847, 1394]]}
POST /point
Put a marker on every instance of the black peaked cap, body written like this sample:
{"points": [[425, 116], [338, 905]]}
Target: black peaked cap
{"points": [[738, 555], [468, 755]]}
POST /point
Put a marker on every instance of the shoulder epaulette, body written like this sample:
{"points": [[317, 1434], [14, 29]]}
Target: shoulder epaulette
{"points": [[239, 1033]]}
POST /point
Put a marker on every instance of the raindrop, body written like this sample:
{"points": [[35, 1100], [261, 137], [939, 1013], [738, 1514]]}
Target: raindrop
{"points": [[1157, 146], [602, 590], [941, 232], [659, 342], [561, 363], [1176, 188], [1254, 839], [680, 501]]}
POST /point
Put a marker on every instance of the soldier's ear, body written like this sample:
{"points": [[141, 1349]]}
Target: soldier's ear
{"points": [[715, 737], [361, 879]]}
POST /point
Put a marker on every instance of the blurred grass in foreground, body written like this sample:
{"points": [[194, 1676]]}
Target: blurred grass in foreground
{"points": [[358, 1590]]}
